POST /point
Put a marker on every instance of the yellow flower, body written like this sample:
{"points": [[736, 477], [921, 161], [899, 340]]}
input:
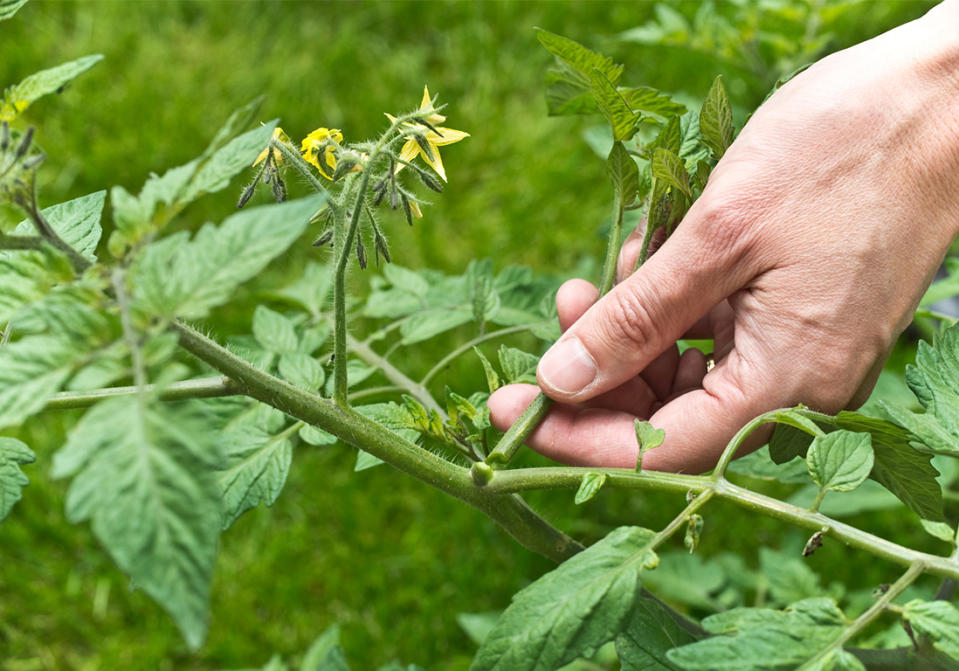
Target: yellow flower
{"points": [[434, 139], [325, 140], [278, 134], [10, 111]]}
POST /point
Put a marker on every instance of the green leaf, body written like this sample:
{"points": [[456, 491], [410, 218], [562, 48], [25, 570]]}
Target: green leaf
{"points": [[77, 221], [572, 610], [788, 577], [623, 173], [315, 436], [311, 290], [478, 625], [939, 530], [652, 631], [589, 487], [686, 579], [669, 168], [484, 299], [759, 465], [143, 475], [492, 379], [365, 460], [187, 279], [13, 454], [10, 7], [716, 119], [255, 469], [761, 639], [407, 280], [647, 437], [424, 325], [517, 365], [32, 370], [301, 370], [274, 331], [788, 442], [613, 106], [46, 81], [837, 660], [579, 57], [325, 653], [936, 620], [27, 276], [216, 171], [651, 101], [840, 461]]}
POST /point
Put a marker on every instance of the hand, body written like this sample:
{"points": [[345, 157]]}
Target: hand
{"points": [[804, 258]]}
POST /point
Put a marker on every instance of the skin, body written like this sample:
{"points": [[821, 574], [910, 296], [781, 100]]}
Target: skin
{"points": [[805, 258]]}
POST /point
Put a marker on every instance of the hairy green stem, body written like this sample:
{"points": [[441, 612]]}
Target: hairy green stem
{"points": [[395, 375], [21, 242], [608, 275], [874, 611], [509, 511], [513, 439], [466, 347], [297, 161], [210, 387], [32, 208]]}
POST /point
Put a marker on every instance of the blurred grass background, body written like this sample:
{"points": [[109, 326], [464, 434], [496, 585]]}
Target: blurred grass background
{"points": [[389, 559]]}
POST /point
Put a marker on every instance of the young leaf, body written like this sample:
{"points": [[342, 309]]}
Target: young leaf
{"points": [[274, 331], [840, 461], [312, 289], [716, 119], [9, 7], [492, 379], [143, 475], [623, 172], [573, 609], [13, 454], [651, 101], [579, 57], [517, 365], [301, 370], [187, 279], [27, 276], [37, 85], [589, 487], [936, 620], [620, 117], [647, 437], [670, 169], [652, 631], [77, 221], [425, 325], [325, 653], [32, 370], [405, 279], [256, 466]]}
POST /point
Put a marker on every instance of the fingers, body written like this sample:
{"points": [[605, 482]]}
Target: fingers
{"points": [[625, 330], [573, 299]]}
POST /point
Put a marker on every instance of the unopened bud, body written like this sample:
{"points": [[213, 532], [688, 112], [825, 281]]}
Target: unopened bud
{"points": [[246, 195], [430, 181], [24, 144], [360, 253], [325, 237], [424, 145], [279, 188], [4, 136]]}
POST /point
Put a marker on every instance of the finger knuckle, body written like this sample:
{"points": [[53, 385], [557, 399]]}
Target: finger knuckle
{"points": [[630, 323]]}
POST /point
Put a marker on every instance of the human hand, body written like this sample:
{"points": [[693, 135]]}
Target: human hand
{"points": [[804, 258]]}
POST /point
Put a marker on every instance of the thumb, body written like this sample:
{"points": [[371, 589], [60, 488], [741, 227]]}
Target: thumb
{"points": [[629, 327]]}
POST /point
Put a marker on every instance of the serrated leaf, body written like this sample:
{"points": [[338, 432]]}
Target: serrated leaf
{"points": [[215, 171], [407, 280], [301, 370], [936, 620], [77, 221], [187, 279], [424, 325], [761, 639], [492, 379], [32, 370], [13, 454], [589, 487], [623, 173], [652, 631], [27, 276], [315, 436], [668, 167], [274, 331], [788, 577], [143, 476], [10, 7], [579, 57], [613, 106], [651, 101], [311, 290], [716, 119], [840, 461], [517, 365], [572, 610], [325, 653], [255, 469], [478, 625], [837, 660], [686, 579], [37, 85]]}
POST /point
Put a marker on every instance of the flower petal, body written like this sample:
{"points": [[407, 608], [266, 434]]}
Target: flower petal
{"points": [[436, 162], [447, 136]]}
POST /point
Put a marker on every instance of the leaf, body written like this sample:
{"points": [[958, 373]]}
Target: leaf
{"points": [[936, 620], [407, 280], [789, 578], [315, 436], [837, 660], [840, 461], [651, 632], [32, 370], [37, 85], [77, 221], [617, 112], [759, 465], [517, 365], [10, 7], [651, 101], [939, 530], [686, 579], [143, 476], [492, 379], [716, 119], [214, 172], [579, 57], [623, 173], [365, 460], [589, 487], [311, 290], [255, 469], [301, 370], [647, 437], [572, 610], [478, 625], [322, 654], [787, 443], [424, 325], [27, 276], [758, 639], [13, 454], [669, 168], [274, 331], [187, 279]]}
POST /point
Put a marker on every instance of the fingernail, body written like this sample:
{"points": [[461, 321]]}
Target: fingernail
{"points": [[567, 367]]}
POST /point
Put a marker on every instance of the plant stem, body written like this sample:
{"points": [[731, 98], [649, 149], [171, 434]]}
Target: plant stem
{"points": [[513, 439], [297, 161], [608, 275], [210, 387], [509, 511], [21, 242], [861, 622], [32, 208], [462, 349], [395, 375]]}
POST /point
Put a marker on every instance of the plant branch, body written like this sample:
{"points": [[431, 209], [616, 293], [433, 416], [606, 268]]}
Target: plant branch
{"points": [[466, 347], [513, 439], [395, 375], [297, 161], [874, 611], [21, 242], [210, 387]]}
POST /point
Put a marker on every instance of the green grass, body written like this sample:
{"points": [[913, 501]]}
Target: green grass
{"points": [[389, 559]]}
